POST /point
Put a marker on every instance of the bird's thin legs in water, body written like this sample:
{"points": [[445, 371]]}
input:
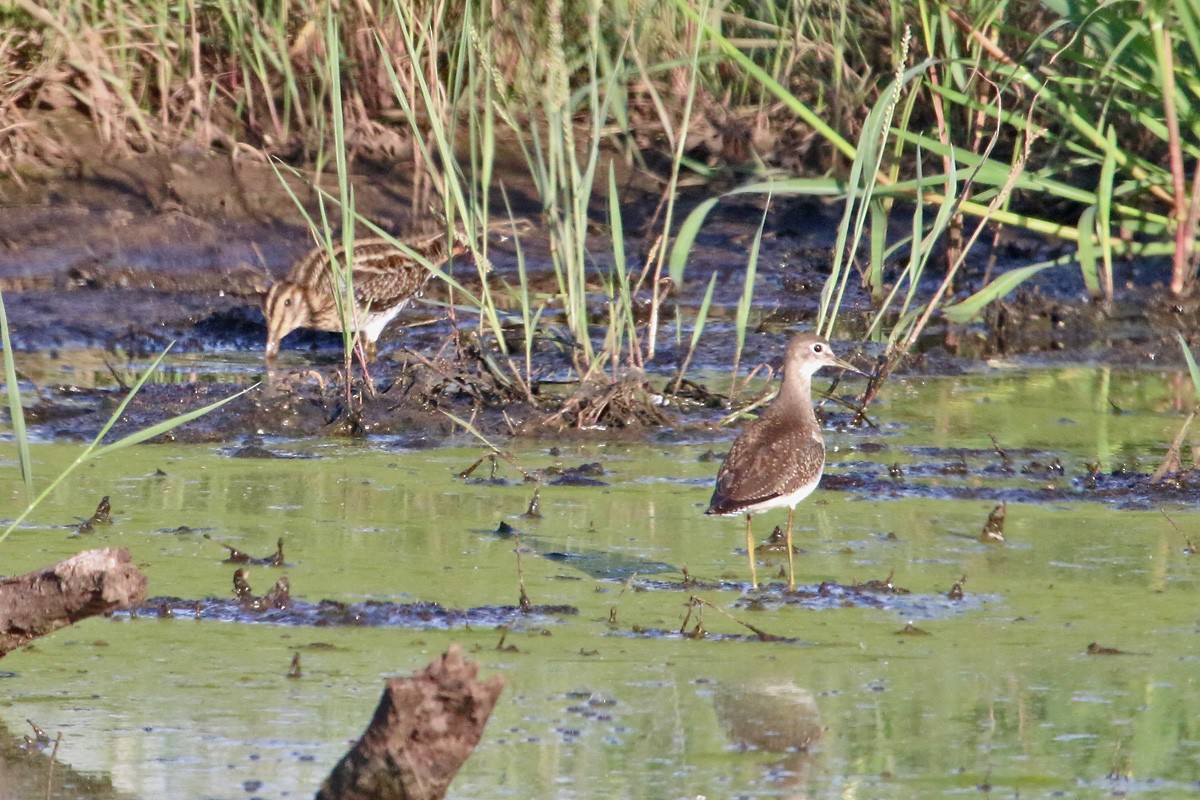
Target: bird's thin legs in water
{"points": [[750, 554], [360, 347], [791, 566]]}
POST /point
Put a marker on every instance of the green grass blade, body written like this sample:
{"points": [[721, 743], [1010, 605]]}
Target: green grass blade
{"points": [[793, 103], [1088, 259], [702, 314], [15, 411], [686, 237], [126, 400], [697, 330], [1193, 370], [92, 451], [137, 437], [746, 301], [969, 309], [1104, 206]]}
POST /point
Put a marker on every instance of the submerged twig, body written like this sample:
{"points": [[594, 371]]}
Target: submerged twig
{"points": [[759, 632], [1171, 461]]}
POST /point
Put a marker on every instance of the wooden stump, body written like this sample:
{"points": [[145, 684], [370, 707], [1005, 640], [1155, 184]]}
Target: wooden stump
{"points": [[90, 583], [423, 730]]}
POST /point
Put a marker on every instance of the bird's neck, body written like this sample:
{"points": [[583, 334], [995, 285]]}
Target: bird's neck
{"points": [[795, 397]]}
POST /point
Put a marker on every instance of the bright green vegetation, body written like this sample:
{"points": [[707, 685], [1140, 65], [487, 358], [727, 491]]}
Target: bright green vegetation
{"points": [[1000, 692], [1074, 121]]}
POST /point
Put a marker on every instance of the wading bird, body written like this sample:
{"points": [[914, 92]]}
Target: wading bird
{"points": [[385, 279], [778, 460]]}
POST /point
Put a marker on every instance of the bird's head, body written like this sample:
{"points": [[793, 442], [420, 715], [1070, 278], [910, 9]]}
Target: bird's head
{"points": [[808, 353], [286, 308]]}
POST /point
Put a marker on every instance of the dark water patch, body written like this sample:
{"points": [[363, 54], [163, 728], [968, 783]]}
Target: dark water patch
{"points": [[583, 475], [874, 594], [1121, 785], [1132, 490], [370, 613], [257, 450], [829, 595], [882, 486], [598, 564], [1041, 480], [606, 565], [709, 636]]}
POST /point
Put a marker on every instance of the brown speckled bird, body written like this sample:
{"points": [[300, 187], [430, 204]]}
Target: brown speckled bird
{"points": [[385, 279], [778, 460]]}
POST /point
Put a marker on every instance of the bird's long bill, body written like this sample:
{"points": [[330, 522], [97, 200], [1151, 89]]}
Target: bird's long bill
{"points": [[840, 364], [277, 328]]}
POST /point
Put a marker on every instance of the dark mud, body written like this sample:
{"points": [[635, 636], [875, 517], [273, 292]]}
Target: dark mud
{"points": [[434, 616], [1121, 487], [371, 613]]}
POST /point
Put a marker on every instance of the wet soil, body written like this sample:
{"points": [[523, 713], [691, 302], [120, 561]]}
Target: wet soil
{"points": [[128, 258]]}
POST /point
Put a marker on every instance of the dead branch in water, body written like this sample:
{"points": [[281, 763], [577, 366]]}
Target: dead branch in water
{"points": [[90, 583], [423, 730]]}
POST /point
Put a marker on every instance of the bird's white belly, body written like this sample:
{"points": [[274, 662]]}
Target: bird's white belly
{"points": [[784, 500], [377, 322]]}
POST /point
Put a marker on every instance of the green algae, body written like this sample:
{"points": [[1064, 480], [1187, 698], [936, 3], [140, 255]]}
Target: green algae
{"points": [[1002, 693]]}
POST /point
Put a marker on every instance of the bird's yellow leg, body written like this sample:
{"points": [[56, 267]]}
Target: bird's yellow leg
{"points": [[791, 566], [750, 555]]}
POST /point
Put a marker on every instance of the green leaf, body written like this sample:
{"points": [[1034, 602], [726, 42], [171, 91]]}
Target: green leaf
{"points": [[690, 229], [686, 237], [165, 426], [15, 411], [969, 309], [1191, 362], [1088, 259]]}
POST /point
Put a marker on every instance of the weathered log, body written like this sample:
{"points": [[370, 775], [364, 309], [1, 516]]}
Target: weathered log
{"points": [[90, 583], [423, 730]]}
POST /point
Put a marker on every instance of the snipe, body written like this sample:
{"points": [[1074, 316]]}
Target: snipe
{"points": [[385, 280]]}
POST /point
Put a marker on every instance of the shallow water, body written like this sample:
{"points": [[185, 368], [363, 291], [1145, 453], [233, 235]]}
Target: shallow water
{"points": [[997, 690]]}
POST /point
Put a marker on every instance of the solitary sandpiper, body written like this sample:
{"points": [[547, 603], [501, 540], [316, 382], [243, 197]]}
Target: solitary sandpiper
{"points": [[778, 460], [385, 279]]}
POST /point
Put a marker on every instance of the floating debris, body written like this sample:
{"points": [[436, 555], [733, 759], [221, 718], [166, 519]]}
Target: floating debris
{"points": [[238, 557], [534, 510], [881, 587], [583, 475], [776, 544], [993, 529], [294, 672], [1095, 649], [1006, 464], [102, 516]]}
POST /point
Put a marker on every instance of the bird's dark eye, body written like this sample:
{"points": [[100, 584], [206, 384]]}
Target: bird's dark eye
{"points": [[818, 348], [287, 302]]}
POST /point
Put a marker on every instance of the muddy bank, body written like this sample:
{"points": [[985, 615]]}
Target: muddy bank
{"points": [[126, 259]]}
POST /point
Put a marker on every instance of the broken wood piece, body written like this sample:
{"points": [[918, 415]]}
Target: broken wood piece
{"points": [[423, 730], [89, 583]]}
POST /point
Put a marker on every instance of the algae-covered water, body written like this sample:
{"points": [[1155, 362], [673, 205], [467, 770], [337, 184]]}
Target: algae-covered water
{"points": [[997, 690]]}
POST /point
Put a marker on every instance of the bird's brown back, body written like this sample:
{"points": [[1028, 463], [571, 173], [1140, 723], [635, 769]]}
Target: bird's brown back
{"points": [[773, 457], [383, 275]]}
